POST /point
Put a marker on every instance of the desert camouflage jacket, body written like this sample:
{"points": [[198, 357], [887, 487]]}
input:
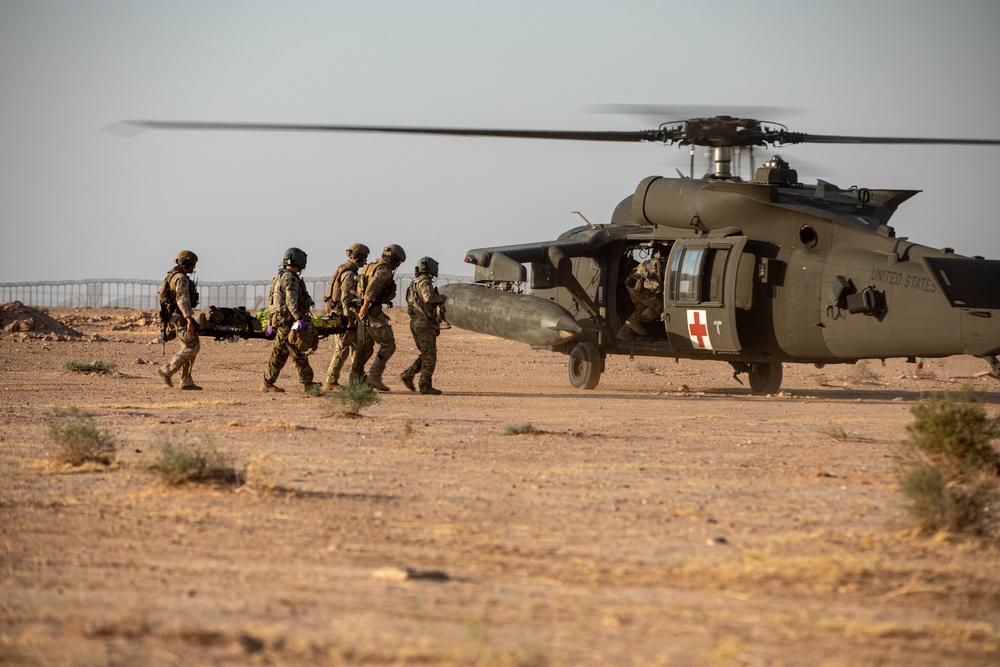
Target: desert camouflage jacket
{"points": [[288, 299], [424, 303]]}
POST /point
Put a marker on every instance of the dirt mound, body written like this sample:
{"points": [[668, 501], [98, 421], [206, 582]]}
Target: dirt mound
{"points": [[17, 318]]}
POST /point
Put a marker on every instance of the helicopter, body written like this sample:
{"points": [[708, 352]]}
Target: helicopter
{"points": [[755, 272]]}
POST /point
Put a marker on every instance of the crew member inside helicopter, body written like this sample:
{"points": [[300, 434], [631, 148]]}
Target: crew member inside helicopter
{"points": [[645, 286]]}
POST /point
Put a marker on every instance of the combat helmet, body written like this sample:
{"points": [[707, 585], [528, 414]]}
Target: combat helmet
{"points": [[358, 251], [186, 260], [393, 254], [426, 265], [294, 257]]}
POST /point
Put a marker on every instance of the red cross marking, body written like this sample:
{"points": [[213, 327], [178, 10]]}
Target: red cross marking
{"points": [[698, 329]]}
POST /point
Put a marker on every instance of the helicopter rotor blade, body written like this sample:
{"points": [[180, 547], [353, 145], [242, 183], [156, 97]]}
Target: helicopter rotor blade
{"points": [[803, 138], [571, 135], [716, 131], [685, 111]]}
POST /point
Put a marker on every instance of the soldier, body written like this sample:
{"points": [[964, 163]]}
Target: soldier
{"points": [[645, 286], [342, 300], [290, 323], [178, 298], [376, 286], [426, 308]]}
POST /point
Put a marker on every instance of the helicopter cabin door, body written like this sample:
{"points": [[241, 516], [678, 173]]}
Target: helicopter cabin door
{"points": [[700, 294]]}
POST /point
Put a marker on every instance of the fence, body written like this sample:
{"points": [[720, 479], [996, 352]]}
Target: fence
{"points": [[141, 294]]}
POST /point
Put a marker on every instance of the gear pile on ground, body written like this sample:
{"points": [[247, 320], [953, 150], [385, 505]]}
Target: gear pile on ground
{"points": [[27, 322]]}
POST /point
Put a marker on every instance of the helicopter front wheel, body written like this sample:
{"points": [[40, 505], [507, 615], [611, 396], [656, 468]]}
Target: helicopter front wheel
{"points": [[584, 366], [765, 378]]}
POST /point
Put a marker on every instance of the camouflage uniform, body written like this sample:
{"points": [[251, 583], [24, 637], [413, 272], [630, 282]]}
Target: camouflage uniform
{"points": [[347, 305], [288, 302], [425, 306], [645, 286], [378, 286], [184, 298]]}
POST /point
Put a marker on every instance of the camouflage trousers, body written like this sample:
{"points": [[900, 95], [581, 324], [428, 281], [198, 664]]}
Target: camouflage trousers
{"points": [[345, 345], [280, 352], [183, 361], [648, 308], [373, 331], [426, 361]]}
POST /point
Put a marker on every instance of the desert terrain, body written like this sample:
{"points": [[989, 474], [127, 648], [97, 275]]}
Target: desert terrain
{"points": [[667, 517]]}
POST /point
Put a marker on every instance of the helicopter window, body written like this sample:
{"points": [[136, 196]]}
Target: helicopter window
{"points": [[714, 275], [808, 236], [684, 270]]}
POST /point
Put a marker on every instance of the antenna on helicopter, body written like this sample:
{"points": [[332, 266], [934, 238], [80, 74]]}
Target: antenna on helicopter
{"points": [[589, 223]]}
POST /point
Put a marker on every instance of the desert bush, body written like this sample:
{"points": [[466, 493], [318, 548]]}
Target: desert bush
{"points": [[861, 373], [948, 467], [836, 432], [520, 430], [88, 366], [258, 475], [76, 440], [353, 398], [955, 433], [193, 462]]}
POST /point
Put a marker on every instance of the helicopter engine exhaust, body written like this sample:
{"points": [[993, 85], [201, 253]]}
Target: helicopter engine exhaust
{"points": [[520, 317]]}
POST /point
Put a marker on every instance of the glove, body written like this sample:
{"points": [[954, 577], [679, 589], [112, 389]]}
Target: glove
{"points": [[269, 332], [302, 324]]}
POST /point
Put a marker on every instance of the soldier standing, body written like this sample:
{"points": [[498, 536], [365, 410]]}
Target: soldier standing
{"points": [[178, 298], [342, 300], [376, 286], [288, 310], [425, 306]]}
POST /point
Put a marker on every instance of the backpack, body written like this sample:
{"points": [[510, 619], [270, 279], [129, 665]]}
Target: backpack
{"points": [[166, 296]]}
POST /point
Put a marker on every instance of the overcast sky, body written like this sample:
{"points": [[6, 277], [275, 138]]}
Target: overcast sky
{"points": [[77, 202]]}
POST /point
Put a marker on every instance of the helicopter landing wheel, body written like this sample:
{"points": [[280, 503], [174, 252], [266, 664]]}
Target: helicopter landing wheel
{"points": [[765, 378], [584, 366]]}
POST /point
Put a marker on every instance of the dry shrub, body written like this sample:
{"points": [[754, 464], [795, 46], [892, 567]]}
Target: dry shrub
{"points": [[76, 440], [88, 366], [949, 468], [351, 399], [191, 463], [523, 429], [862, 373]]}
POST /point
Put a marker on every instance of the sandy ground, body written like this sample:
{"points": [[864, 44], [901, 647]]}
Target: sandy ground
{"points": [[667, 517]]}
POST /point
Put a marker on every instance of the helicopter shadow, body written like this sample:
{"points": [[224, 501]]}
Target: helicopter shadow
{"points": [[836, 395]]}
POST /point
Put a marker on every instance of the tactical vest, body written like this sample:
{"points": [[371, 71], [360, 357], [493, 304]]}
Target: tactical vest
{"points": [[279, 311], [333, 289], [388, 292], [166, 296]]}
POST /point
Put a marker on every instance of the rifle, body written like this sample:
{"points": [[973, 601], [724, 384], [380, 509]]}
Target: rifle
{"points": [[164, 318]]}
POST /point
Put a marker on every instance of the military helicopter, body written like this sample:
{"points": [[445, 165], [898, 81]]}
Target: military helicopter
{"points": [[754, 273]]}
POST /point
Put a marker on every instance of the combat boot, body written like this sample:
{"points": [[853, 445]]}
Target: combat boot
{"points": [[429, 390], [408, 381], [376, 383], [267, 387], [190, 387], [163, 376], [331, 386], [312, 389]]}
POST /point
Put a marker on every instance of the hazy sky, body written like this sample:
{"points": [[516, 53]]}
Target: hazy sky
{"points": [[77, 202]]}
